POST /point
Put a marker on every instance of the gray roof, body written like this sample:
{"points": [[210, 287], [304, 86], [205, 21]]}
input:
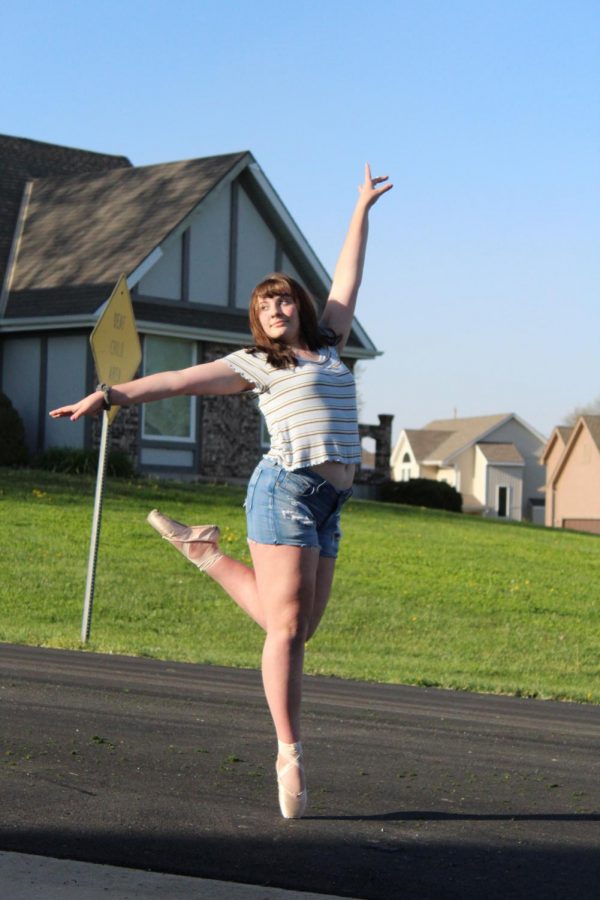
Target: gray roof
{"points": [[22, 160], [88, 229]]}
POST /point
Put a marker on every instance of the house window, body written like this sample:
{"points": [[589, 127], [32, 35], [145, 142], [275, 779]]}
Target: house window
{"points": [[265, 440], [502, 504], [173, 419]]}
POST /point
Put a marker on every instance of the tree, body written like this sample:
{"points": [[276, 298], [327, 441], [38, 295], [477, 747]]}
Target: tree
{"points": [[590, 409]]}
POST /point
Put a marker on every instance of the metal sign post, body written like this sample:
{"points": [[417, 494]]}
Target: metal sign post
{"points": [[117, 354], [88, 603]]}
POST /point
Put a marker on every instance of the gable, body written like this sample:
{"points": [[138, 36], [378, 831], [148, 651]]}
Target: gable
{"points": [[192, 237], [582, 450]]}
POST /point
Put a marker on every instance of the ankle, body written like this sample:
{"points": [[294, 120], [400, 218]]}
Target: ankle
{"points": [[284, 747]]}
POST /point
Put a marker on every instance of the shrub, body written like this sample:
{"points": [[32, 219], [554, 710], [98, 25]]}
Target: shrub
{"points": [[74, 461], [13, 449], [422, 492]]}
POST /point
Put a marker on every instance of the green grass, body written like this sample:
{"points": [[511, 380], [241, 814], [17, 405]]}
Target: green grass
{"points": [[420, 597]]}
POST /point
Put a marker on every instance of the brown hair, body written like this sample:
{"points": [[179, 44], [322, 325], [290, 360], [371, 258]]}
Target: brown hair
{"points": [[279, 354]]}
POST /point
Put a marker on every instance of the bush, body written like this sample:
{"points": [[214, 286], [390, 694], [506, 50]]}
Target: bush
{"points": [[13, 449], [83, 462], [422, 492]]}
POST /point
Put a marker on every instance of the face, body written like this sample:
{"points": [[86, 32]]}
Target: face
{"points": [[279, 318]]}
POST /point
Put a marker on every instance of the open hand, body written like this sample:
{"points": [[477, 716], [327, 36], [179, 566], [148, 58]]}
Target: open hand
{"points": [[369, 190], [89, 406]]}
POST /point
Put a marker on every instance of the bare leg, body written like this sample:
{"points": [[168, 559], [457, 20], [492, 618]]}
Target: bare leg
{"points": [[324, 582], [285, 578], [236, 579], [239, 581]]}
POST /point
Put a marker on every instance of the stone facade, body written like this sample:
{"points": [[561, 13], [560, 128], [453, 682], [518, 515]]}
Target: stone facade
{"points": [[229, 431]]}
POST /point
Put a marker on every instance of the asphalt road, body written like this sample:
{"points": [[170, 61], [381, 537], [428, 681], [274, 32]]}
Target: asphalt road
{"points": [[413, 792]]}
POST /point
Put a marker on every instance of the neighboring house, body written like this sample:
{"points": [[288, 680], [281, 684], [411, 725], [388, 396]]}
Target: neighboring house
{"points": [[492, 460], [193, 238], [572, 460]]}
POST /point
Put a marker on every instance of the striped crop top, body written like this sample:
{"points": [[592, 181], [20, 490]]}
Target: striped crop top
{"points": [[310, 410]]}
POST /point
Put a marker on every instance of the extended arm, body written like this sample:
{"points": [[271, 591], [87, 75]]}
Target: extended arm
{"points": [[340, 306], [209, 378]]}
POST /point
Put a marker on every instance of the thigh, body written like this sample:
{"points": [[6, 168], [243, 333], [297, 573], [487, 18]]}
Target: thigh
{"points": [[286, 578], [323, 584]]}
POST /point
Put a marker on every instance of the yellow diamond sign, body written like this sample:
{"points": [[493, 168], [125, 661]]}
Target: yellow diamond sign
{"points": [[115, 342]]}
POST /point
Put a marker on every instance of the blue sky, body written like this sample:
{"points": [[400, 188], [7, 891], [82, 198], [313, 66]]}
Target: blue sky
{"points": [[482, 279]]}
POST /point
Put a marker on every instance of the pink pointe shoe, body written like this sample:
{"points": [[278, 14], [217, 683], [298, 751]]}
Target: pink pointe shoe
{"points": [[183, 536], [291, 803]]}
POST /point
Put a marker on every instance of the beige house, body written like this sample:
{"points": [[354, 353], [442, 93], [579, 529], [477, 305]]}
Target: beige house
{"points": [[572, 460], [494, 461]]}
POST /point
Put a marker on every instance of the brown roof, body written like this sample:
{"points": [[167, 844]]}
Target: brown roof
{"points": [[461, 432], [501, 453], [560, 433], [593, 424], [423, 443], [87, 229]]}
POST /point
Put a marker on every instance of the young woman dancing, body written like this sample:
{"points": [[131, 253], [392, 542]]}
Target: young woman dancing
{"points": [[308, 399]]}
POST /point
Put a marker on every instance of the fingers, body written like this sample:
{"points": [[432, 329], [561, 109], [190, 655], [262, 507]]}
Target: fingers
{"points": [[376, 184]]}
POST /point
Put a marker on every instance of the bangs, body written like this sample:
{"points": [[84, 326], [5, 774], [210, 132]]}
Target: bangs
{"points": [[273, 286]]}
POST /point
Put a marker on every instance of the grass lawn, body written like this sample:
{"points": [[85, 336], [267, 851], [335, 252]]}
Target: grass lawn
{"points": [[420, 597]]}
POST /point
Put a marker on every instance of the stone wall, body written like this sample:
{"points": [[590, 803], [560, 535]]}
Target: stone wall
{"points": [[229, 429]]}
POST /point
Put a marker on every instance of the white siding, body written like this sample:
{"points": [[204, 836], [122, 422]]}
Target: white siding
{"points": [[510, 477], [164, 278], [256, 248], [533, 475], [21, 360], [66, 382], [209, 251], [480, 477]]}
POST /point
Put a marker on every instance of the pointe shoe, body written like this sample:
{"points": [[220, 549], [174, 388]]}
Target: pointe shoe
{"points": [[292, 804], [179, 534]]}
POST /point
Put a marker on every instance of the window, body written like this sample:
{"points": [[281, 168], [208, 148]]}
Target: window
{"points": [[173, 419], [265, 440]]}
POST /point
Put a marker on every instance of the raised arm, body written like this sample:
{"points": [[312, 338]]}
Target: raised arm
{"points": [[340, 306], [208, 378]]}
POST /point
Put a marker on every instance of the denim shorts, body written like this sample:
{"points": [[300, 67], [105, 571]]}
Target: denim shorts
{"points": [[299, 508]]}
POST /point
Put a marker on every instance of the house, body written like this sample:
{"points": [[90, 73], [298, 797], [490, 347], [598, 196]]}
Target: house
{"points": [[572, 460], [492, 460], [193, 238]]}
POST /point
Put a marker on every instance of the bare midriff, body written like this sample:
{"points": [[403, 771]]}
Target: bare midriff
{"points": [[340, 475]]}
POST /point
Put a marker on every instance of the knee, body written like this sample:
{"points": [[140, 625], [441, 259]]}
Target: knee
{"points": [[292, 628]]}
